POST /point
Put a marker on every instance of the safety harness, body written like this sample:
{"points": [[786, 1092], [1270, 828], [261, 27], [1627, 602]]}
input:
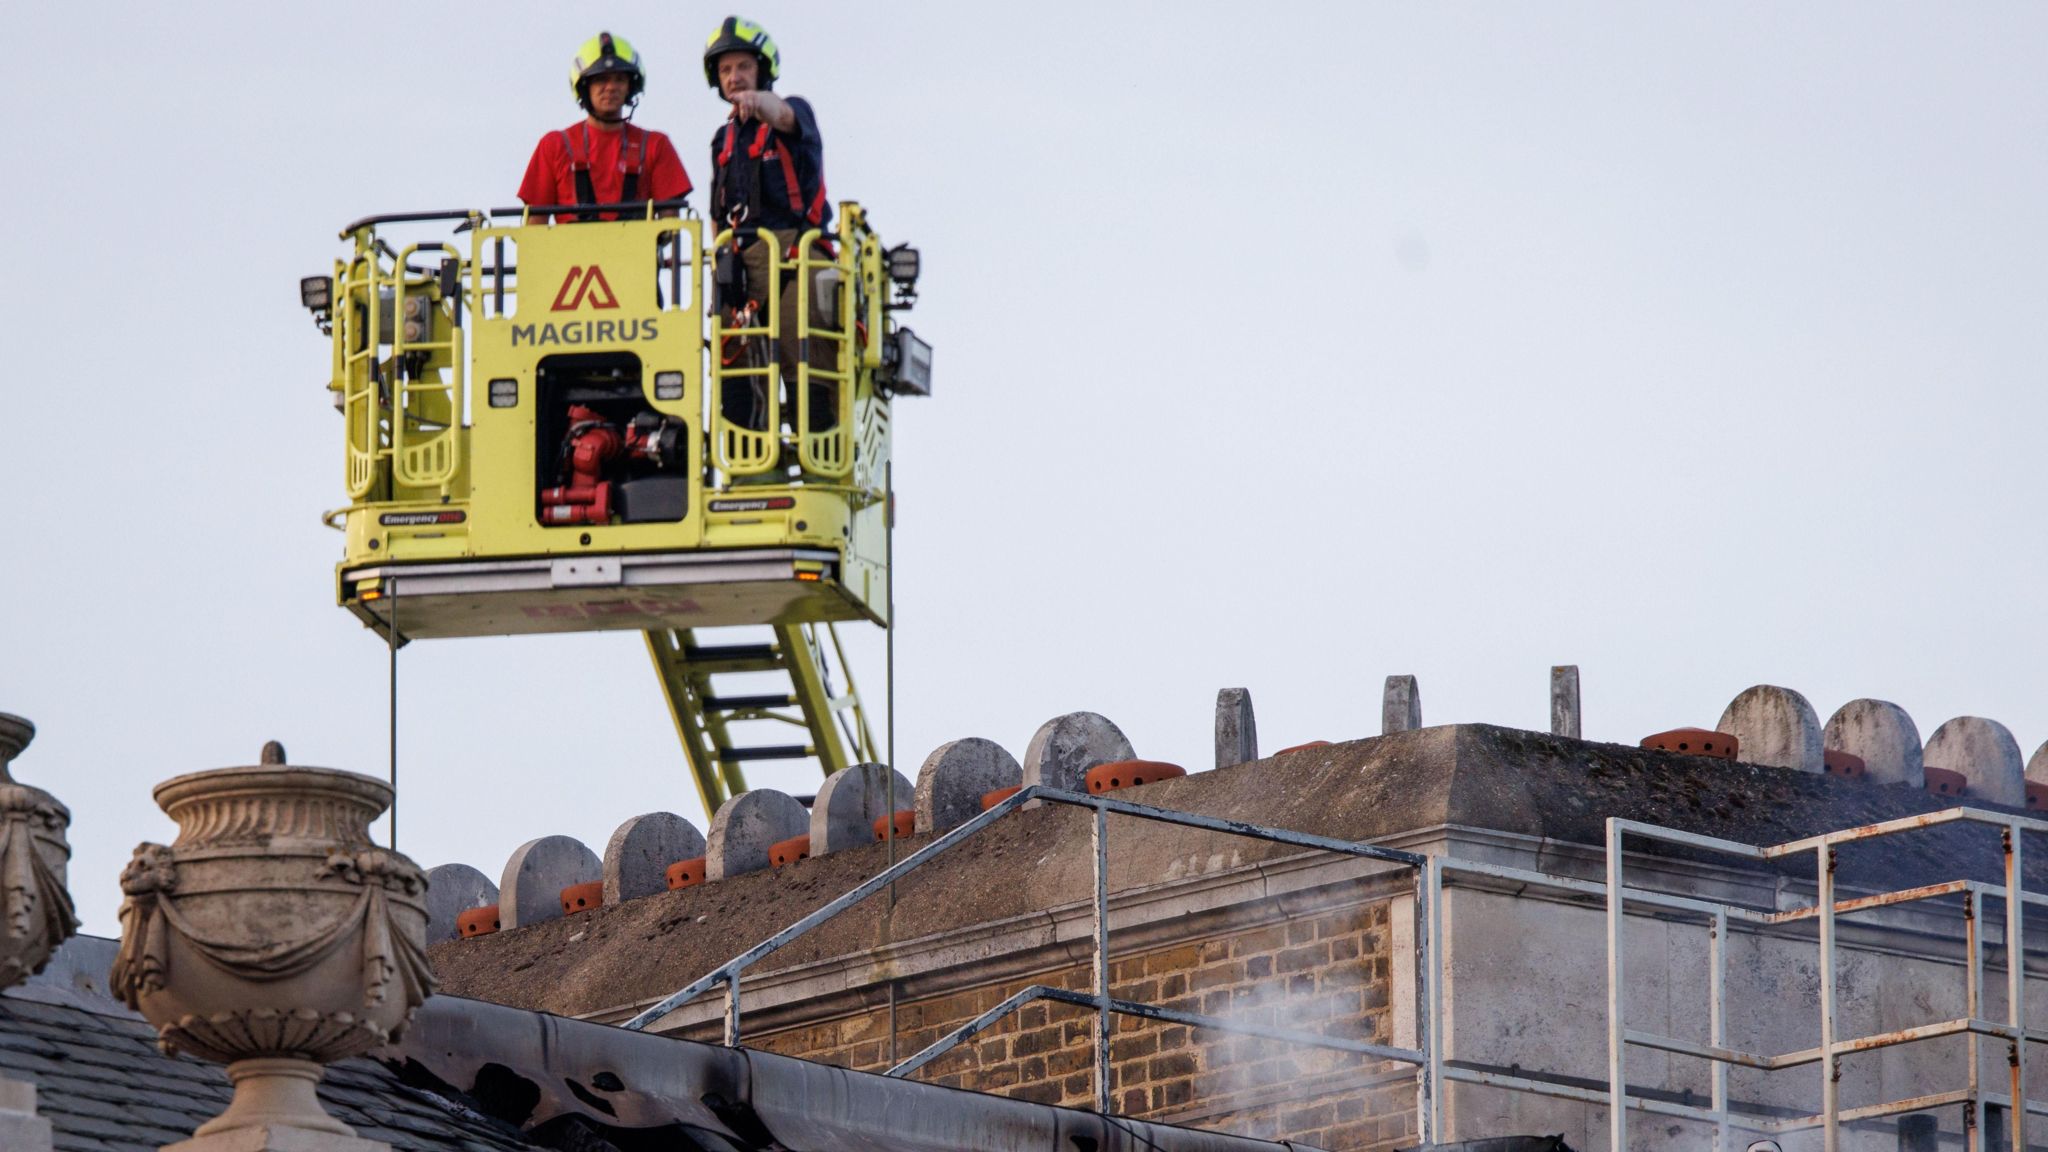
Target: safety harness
{"points": [[632, 151], [738, 183]]}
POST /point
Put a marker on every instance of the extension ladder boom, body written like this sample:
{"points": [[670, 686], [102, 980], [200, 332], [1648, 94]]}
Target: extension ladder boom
{"points": [[800, 657]]}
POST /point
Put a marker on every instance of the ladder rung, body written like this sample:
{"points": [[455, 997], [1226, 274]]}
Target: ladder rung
{"points": [[734, 703], [764, 752], [734, 658], [729, 652]]}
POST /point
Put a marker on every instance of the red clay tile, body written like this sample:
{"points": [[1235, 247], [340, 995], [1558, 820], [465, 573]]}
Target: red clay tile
{"points": [[1696, 742], [1303, 747], [1943, 782], [1840, 763], [789, 851], [906, 825], [477, 921], [684, 873], [1129, 774], [991, 799], [582, 897]]}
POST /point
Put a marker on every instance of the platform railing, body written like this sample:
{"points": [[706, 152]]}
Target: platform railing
{"points": [[358, 336], [827, 451], [426, 412], [1424, 1057], [424, 453], [739, 450]]}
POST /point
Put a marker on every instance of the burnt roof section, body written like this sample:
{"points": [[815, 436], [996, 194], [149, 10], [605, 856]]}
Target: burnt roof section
{"points": [[476, 1077], [573, 1084], [1475, 775], [104, 1086]]}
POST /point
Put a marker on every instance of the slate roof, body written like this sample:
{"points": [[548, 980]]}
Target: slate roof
{"points": [[105, 1087]]}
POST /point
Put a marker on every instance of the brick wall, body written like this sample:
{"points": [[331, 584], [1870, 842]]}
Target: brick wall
{"points": [[1328, 971]]}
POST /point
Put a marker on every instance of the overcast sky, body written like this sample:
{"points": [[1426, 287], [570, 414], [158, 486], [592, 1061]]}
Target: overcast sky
{"points": [[1699, 345]]}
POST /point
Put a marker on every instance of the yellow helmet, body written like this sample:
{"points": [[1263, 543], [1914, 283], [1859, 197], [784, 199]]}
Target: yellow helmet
{"points": [[601, 55], [737, 35]]}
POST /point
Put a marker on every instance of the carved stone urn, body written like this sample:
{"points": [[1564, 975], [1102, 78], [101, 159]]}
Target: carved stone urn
{"points": [[35, 909], [273, 936]]}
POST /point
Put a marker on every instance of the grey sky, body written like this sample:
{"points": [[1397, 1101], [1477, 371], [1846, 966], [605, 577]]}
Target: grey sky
{"points": [[1287, 348]]}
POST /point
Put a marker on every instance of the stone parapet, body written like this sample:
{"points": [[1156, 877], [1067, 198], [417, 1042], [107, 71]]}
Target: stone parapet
{"points": [[1471, 775]]}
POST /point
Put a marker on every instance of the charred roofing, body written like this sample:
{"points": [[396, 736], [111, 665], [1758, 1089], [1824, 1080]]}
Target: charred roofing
{"points": [[473, 1077]]}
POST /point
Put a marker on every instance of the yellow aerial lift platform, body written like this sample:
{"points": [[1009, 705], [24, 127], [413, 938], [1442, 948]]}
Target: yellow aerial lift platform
{"points": [[568, 427]]}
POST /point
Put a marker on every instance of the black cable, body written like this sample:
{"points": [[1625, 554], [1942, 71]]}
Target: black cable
{"points": [[391, 638]]}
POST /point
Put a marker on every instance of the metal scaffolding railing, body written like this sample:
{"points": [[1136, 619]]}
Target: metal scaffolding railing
{"points": [[1826, 909], [731, 972], [1435, 1071]]}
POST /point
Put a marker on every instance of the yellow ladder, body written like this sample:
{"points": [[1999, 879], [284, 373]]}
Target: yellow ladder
{"points": [[688, 660]]}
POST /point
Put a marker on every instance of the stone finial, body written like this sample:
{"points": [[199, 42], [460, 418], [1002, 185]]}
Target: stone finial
{"points": [[1882, 734], [275, 937], [1775, 726], [15, 734], [1985, 752], [1065, 747], [35, 911], [36, 914], [453, 889], [850, 801], [2037, 765], [953, 779], [1237, 731], [746, 827], [273, 753], [1564, 700], [1401, 705], [530, 888], [637, 857]]}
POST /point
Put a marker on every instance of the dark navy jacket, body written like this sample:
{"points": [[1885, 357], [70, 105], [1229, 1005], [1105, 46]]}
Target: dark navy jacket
{"points": [[778, 176]]}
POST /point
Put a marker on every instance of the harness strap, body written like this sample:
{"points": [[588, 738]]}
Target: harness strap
{"points": [[722, 174], [789, 185], [579, 171], [631, 152], [764, 136]]}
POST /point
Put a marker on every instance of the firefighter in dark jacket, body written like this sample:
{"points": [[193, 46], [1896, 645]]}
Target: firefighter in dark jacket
{"points": [[768, 185]]}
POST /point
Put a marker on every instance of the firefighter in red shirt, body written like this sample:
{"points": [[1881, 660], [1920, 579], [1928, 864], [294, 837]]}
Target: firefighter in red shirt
{"points": [[604, 159]]}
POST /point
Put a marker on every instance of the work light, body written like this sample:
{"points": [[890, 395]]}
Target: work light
{"points": [[317, 294], [907, 363], [903, 266], [668, 385], [504, 392]]}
